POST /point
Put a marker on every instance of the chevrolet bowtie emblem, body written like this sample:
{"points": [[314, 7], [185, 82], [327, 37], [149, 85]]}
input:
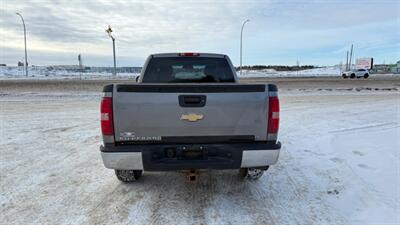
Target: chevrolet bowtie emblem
{"points": [[192, 117]]}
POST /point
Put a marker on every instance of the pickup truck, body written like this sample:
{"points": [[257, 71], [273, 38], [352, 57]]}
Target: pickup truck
{"points": [[188, 112]]}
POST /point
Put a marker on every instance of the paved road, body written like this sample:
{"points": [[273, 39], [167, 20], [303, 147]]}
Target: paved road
{"points": [[290, 83]]}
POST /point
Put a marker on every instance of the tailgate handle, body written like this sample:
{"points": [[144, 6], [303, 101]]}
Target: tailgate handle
{"points": [[192, 100]]}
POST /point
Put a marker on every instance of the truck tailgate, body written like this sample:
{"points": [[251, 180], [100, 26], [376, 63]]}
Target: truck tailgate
{"points": [[190, 112]]}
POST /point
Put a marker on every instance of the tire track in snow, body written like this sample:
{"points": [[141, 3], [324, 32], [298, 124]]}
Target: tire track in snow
{"points": [[370, 126]]}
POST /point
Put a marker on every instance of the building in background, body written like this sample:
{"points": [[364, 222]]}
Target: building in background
{"points": [[397, 67], [381, 68], [386, 68]]}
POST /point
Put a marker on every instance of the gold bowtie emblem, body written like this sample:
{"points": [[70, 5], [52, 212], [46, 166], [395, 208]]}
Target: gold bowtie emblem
{"points": [[192, 117]]}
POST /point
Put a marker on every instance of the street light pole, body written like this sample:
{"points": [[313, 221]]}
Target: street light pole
{"points": [[109, 31], [241, 38], [26, 55], [115, 69]]}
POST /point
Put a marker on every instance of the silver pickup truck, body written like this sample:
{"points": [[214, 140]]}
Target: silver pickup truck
{"points": [[187, 112]]}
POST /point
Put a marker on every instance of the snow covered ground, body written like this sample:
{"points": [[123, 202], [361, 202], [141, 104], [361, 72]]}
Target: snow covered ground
{"points": [[61, 73], [43, 73], [339, 165], [317, 72]]}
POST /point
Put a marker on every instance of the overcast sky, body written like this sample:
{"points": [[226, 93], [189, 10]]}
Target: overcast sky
{"points": [[280, 32]]}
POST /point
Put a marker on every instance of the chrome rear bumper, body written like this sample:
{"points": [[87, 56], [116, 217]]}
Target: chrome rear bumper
{"points": [[123, 160], [256, 158], [213, 156]]}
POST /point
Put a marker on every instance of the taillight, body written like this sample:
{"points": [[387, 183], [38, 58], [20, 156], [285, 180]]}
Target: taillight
{"points": [[106, 116], [189, 54], [273, 115]]}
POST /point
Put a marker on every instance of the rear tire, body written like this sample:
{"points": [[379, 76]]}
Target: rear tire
{"points": [[344, 76], [352, 76], [366, 75], [128, 176], [251, 173]]}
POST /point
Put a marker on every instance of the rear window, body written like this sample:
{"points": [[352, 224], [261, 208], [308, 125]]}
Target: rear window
{"points": [[188, 70]]}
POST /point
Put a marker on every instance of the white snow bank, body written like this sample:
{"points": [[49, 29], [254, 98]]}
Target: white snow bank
{"points": [[60, 72], [323, 71]]}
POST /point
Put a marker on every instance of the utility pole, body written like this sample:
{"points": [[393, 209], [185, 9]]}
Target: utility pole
{"points": [[109, 31], [26, 55], [80, 66], [241, 40], [115, 63], [347, 61], [351, 55]]}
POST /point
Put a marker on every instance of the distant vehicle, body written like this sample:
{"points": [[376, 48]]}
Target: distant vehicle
{"points": [[356, 73], [189, 112]]}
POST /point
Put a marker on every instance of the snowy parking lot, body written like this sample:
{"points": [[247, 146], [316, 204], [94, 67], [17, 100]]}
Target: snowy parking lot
{"points": [[339, 163]]}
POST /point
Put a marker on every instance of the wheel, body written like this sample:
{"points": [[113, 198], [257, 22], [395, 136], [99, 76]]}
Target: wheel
{"points": [[251, 173], [352, 76], [128, 175], [366, 75], [344, 76], [243, 172]]}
